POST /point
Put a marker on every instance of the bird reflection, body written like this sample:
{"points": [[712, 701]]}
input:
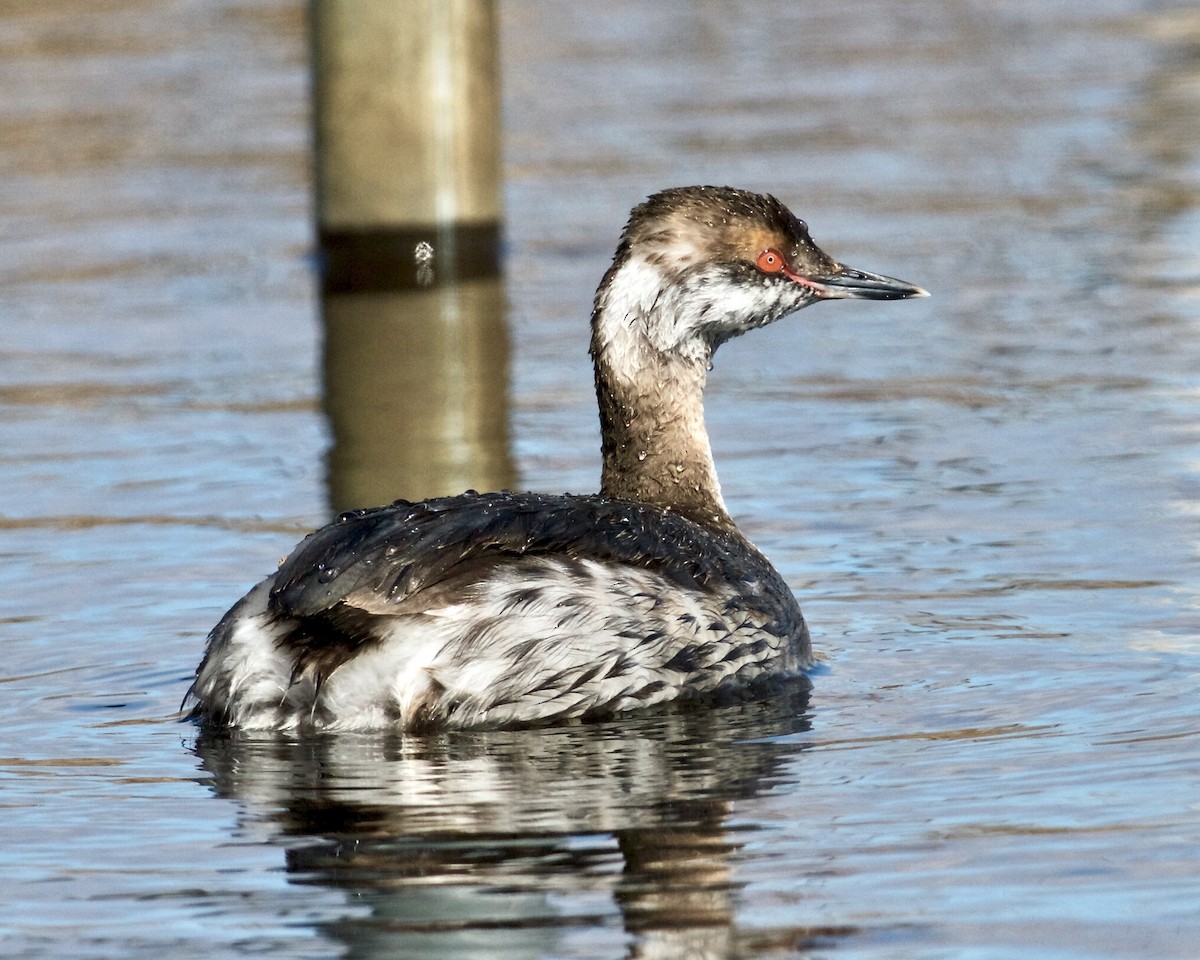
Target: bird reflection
{"points": [[507, 844]]}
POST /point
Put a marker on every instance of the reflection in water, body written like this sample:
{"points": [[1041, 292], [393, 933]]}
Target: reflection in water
{"points": [[459, 844], [416, 388], [1165, 128]]}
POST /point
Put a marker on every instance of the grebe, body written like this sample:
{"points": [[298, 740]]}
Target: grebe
{"points": [[502, 609]]}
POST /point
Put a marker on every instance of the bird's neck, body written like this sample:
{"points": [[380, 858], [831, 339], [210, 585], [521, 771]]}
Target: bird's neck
{"points": [[653, 439]]}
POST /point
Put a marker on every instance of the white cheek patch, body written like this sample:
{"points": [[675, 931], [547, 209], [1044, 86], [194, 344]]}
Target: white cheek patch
{"points": [[710, 307], [621, 323], [634, 291], [646, 311]]}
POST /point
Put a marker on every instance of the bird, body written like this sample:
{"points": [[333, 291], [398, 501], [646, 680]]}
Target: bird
{"points": [[510, 609]]}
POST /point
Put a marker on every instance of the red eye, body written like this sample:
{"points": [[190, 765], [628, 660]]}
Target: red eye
{"points": [[770, 261]]}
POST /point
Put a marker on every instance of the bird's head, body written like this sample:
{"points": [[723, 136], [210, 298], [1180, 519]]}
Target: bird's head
{"points": [[699, 265]]}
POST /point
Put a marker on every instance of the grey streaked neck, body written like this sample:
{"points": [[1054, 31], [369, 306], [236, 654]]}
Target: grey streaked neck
{"points": [[654, 443]]}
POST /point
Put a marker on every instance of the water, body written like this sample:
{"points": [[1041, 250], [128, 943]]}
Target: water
{"points": [[987, 501]]}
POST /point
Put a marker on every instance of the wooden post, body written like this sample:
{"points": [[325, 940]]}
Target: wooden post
{"points": [[406, 122], [406, 125]]}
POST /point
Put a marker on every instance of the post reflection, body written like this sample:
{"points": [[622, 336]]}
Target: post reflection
{"points": [[506, 844], [416, 391], [1164, 137]]}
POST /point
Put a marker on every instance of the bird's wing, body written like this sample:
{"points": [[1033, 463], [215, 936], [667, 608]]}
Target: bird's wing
{"points": [[378, 559]]}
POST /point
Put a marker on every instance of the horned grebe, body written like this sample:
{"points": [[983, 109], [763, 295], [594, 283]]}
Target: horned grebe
{"points": [[498, 609]]}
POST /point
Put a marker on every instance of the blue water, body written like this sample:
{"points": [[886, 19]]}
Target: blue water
{"points": [[987, 502]]}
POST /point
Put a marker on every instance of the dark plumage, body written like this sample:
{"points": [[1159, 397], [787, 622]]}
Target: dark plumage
{"points": [[393, 552]]}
